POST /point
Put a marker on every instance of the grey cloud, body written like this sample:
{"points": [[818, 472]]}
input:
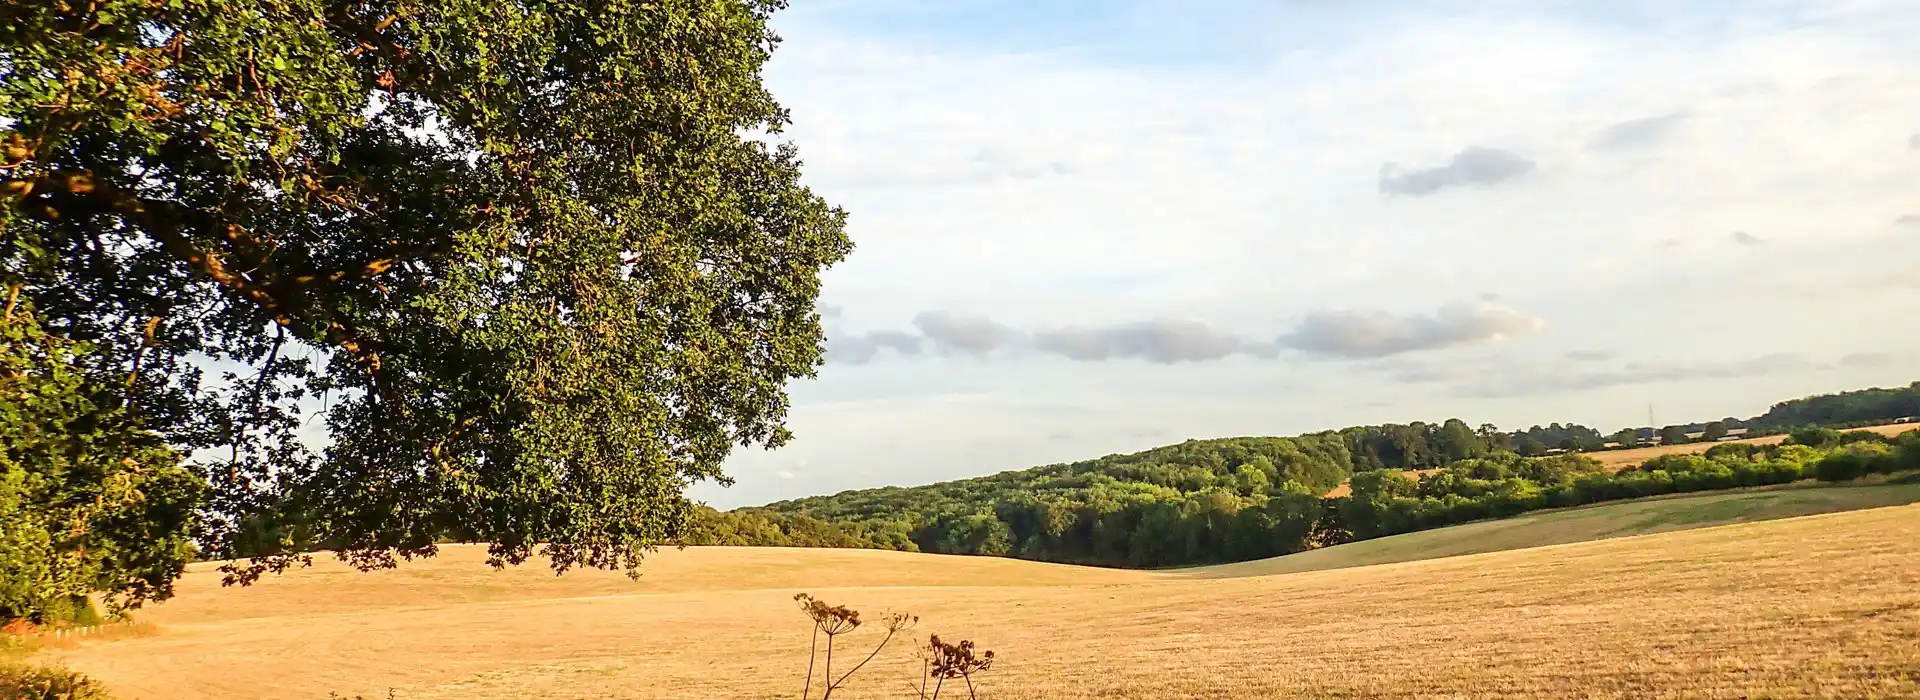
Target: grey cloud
{"points": [[861, 348], [830, 311], [1161, 341], [1591, 355], [1338, 334], [961, 333], [1508, 377], [1636, 133], [1474, 166], [1871, 360], [1908, 220], [1747, 239], [1913, 142], [1366, 334]]}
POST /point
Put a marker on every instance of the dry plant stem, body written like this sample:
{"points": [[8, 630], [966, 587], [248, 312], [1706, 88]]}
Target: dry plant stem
{"points": [[813, 651], [827, 672], [833, 684]]}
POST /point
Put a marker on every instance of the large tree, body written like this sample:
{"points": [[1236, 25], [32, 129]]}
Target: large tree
{"points": [[537, 261], [89, 502]]}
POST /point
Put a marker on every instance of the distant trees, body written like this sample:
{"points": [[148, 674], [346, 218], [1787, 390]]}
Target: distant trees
{"points": [[1386, 503], [1874, 405], [1455, 441], [1673, 435], [759, 527], [1214, 501]]}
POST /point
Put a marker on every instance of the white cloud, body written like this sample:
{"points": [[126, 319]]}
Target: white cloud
{"points": [[1056, 187]]}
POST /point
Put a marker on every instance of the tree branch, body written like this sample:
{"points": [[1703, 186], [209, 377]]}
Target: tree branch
{"points": [[140, 354], [168, 223]]}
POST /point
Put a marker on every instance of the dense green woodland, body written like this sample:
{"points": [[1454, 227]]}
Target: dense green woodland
{"points": [[1215, 501]]}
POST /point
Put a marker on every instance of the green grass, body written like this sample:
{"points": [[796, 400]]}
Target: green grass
{"points": [[1621, 519]]}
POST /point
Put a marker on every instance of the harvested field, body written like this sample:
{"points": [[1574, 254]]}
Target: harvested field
{"points": [[1818, 606]]}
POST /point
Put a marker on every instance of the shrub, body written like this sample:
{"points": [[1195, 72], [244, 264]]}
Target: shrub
{"points": [[1814, 437], [1798, 454], [1841, 466], [26, 682], [1732, 451], [1855, 436], [1907, 456]]}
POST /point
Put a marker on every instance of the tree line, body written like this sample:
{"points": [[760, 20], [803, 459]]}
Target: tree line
{"points": [[1217, 501]]}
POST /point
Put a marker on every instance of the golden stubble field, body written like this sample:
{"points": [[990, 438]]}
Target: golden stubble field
{"points": [[1820, 606]]}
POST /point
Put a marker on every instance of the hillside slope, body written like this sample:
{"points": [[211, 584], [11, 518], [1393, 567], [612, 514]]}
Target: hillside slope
{"points": [[1821, 606], [1570, 525]]}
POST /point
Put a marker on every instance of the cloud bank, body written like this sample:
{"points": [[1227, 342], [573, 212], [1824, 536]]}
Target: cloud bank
{"points": [[1159, 341], [1325, 334], [963, 334], [861, 348], [1367, 334]]}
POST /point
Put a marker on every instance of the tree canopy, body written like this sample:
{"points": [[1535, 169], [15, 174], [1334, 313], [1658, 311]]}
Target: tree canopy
{"points": [[89, 502], [537, 265], [1845, 408]]}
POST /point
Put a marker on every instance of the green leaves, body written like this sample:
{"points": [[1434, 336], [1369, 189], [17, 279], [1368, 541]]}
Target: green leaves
{"points": [[89, 502], [521, 248]]}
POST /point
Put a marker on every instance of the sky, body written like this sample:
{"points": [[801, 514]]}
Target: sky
{"points": [[1084, 228]]}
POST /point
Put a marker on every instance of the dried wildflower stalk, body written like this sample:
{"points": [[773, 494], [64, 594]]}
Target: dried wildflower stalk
{"points": [[836, 620], [943, 661]]}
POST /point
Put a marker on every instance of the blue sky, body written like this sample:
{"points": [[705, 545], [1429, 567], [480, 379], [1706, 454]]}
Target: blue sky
{"points": [[1095, 227]]}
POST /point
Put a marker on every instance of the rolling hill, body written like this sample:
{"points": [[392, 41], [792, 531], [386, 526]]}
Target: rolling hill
{"points": [[1570, 525], [1817, 606]]}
